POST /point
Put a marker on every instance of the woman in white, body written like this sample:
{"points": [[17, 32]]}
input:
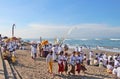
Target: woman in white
{"points": [[33, 51], [61, 62]]}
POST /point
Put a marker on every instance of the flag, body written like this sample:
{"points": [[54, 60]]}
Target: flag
{"points": [[13, 30]]}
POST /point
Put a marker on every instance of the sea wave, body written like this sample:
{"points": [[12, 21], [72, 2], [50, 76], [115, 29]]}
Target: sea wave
{"points": [[113, 39], [83, 39], [68, 39], [97, 39]]}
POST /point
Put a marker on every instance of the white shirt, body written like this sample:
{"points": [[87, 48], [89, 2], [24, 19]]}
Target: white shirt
{"points": [[33, 49], [100, 59], [90, 54], [104, 56], [114, 71], [109, 58], [55, 49], [109, 67], [118, 72], [116, 63], [60, 59], [77, 49], [72, 60], [79, 59], [114, 57], [105, 61], [48, 58]]}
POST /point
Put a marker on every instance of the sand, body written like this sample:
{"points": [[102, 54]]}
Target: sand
{"points": [[30, 69]]}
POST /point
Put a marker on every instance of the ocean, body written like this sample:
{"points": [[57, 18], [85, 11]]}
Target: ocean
{"points": [[103, 44]]}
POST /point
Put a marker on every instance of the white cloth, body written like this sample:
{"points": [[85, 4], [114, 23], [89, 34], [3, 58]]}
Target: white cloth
{"points": [[54, 56], [79, 59], [60, 59], [48, 58], [109, 58], [116, 63], [105, 62], [109, 67], [72, 60], [104, 56], [33, 51], [118, 72], [90, 55], [77, 49], [55, 49], [100, 59], [114, 71]]}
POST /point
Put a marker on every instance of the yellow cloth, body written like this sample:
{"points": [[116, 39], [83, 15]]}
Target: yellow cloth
{"points": [[13, 59], [5, 54], [50, 66], [109, 71]]}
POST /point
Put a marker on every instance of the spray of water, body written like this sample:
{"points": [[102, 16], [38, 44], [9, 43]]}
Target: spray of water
{"points": [[68, 33]]}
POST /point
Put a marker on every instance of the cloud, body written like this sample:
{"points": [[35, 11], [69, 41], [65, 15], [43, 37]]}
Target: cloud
{"points": [[75, 31]]}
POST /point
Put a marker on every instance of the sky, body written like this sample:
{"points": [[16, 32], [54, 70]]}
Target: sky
{"points": [[60, 18]]}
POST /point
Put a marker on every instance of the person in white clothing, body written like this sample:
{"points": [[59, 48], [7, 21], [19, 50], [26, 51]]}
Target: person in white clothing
{"points": [[114, 71], [109, 68], [33, 51], [61, 63], [72, 63], [116, 62], [118, 72], [49, 61], [91, 55], [79, 60], [77, 49]]}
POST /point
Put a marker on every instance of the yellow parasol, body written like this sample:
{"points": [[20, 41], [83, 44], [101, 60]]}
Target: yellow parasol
{"points": [[44, 42]]}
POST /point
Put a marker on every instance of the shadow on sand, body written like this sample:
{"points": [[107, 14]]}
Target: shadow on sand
{"points": [[75, 77]]}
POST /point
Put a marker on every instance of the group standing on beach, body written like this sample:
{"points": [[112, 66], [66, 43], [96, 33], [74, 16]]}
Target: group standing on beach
{"points": [[76, 61], [57, 53], [8, 48], [67, 63]]}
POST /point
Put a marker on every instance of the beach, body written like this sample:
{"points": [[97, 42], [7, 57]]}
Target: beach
{"points": [[30, 69]]}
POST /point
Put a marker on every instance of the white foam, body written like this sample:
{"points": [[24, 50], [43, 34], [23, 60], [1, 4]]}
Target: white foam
{"points": [[113, 39], [97, 39], [109, 50], [83, 39]]}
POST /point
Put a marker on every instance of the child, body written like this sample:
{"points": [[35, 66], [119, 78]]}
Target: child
{"points": [[60, 62], [49, 61], [66, 63]]}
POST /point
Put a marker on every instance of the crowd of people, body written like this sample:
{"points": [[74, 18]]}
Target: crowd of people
{"points": [[68, 62], [77, 60], [8, 47]]}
